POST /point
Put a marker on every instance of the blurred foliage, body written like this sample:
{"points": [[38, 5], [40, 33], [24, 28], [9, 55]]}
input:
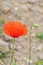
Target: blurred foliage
{"points": [[0, 32], [14, 63], [3, 55], [39, 62], [40, 36], [2, 21]]}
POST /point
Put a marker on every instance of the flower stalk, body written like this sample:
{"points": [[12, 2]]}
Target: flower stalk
{"points": [[30, 44], [12, 57]]}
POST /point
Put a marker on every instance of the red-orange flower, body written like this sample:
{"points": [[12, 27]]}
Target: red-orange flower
{"points": [[15, 29]]}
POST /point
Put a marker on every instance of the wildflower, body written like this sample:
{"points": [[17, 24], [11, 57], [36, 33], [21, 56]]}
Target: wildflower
{"points": [[15, 29]]}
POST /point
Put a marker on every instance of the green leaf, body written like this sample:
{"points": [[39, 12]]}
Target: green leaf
{"points": [[40, 36], [39, 62], [3, 55], [14, 63]]}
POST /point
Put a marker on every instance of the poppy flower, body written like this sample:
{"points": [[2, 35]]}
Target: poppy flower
{"points": [[15, 29]]}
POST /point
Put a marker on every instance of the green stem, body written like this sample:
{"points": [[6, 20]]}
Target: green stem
{"points": [[12, 57], [30, 45]]}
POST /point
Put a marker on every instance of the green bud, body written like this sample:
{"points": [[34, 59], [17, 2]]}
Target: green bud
{"points": [[36, 25]]}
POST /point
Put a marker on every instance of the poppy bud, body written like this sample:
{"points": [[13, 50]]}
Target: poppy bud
{"points": [[36, 25]]}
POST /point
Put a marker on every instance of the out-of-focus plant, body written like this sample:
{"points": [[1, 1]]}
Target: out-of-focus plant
{"points": [[14, 63], [40, 36], [2, 21], [39, 62], [15, 29], [37, 35], [35, 25], [3, 55]]}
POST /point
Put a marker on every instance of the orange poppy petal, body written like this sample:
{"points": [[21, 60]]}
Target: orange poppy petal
{"points": [[8, 28], [15, 29], [24, 30], [17, 24]]}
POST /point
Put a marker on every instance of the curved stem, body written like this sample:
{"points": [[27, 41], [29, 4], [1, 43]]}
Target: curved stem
{"points": [[12, 57]]}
